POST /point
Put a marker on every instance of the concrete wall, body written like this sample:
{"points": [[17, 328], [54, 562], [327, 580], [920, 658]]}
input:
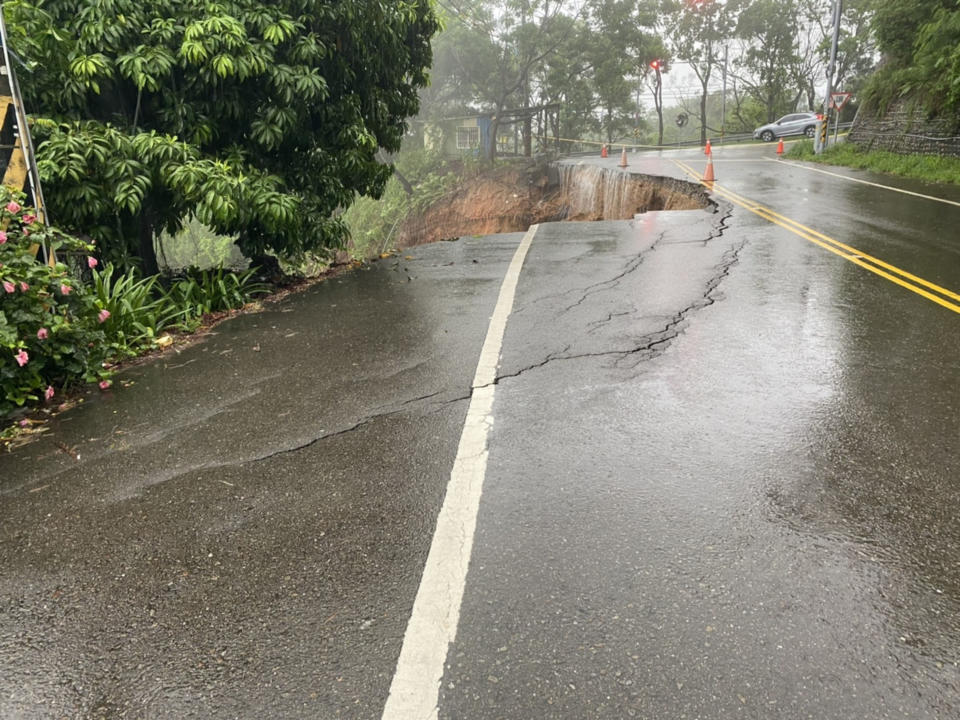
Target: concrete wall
{"points": [[905, 128]]}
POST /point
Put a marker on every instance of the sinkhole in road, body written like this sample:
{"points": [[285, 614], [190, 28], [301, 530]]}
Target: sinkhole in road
{"points": [[514, 197], [589, 192]]}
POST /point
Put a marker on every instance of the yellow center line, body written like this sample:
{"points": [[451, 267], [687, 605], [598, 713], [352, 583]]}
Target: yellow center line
{"points": [[907, 280]]}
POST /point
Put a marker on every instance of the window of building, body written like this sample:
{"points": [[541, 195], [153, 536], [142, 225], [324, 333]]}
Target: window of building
{"points": [[468, 138]]}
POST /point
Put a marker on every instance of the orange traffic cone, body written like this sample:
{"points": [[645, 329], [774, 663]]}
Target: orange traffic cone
{"points": [[780, 149], [623, 157], [603, 151], [708, 173], [706, 149]]}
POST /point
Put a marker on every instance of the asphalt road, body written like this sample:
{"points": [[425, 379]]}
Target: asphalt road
{"points": [[719, 468]]}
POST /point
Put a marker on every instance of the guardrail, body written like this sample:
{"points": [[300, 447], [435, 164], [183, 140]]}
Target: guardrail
{"points": [[581, 146]]}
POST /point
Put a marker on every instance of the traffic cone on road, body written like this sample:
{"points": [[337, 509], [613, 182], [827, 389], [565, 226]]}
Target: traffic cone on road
{"points": [[708, 173], [603, 151], [706, 149], [623, 157], [780, 149]]}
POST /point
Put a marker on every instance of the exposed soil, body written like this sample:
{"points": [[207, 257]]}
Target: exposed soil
{"points": [[510, 198]]}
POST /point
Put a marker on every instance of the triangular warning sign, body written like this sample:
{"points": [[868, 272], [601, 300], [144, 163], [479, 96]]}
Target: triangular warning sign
{"points": [[839, 99]]}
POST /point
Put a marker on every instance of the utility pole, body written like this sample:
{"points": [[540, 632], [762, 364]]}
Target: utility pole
{"points": [[820, 142]]}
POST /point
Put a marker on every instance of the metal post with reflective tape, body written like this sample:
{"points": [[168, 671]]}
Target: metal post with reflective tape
{"points": [[17, 160], [820, 144]]}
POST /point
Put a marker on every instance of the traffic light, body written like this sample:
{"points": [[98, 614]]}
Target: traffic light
{"points": [[655, 64]]}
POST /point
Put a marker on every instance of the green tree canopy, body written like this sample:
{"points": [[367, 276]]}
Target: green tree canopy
{"points": [[262, 119], [919, 41]]}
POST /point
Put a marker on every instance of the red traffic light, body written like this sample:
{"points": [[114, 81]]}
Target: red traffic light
{"points": [[655, 64]]}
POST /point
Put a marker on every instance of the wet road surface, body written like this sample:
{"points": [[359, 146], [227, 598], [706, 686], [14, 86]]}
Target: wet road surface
{"points": [[720, 481]]}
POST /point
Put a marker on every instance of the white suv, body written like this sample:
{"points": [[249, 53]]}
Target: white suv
{"points": [[804, 123]]}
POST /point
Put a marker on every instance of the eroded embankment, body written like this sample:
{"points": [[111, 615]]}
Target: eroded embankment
{"points": [[514, 198]]}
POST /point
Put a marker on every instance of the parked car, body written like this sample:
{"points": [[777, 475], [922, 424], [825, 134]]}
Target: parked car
{"points": [[804, 123]]}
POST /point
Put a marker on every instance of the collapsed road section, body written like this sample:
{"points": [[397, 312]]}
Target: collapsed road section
{"points": [[514, 197]]}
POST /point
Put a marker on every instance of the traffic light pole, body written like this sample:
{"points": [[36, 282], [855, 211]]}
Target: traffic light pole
{"points": [[820, 142]]}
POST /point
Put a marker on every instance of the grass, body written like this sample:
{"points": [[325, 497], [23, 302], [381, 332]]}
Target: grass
{"points": [[932, 168]]}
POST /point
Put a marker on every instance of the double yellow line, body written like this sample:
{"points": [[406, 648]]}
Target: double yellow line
{"points": [[925, 288]]}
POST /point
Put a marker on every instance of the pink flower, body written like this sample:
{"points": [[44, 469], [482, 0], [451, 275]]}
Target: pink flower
{"points": [[48, 393], [24, 423], [91, 262], [24, 287], [103, 315], [42, 334], [3, 237], [9, 286], [65, 289], [104, 384], [29, 219], [22, 358], [13, 207]]}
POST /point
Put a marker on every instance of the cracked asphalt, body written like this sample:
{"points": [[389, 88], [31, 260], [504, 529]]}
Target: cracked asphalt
{"points": [[721, 482]]}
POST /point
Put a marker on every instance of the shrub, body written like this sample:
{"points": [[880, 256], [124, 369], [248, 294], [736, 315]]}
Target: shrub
{"points": [[51, 333], [214, 290], [137, 309]]}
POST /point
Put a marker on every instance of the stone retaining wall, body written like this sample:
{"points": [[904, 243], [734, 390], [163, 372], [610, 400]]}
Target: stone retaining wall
{"points": [[907, 129]]}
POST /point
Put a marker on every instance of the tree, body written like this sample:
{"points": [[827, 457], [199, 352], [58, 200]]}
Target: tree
{"points": [[697, 31], [896, 24], [767, 65], [262, 119], [507, 50], [625, 46], [572, 80]]}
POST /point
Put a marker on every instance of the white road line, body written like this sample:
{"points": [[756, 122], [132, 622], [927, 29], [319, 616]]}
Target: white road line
{"points": [[867, 182], [415, 690]]}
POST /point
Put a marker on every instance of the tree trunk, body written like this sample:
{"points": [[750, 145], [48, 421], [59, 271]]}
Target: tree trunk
{"points": [[703, 117], [148, 253], [659, 95], [407, 187], [492, 139], [268, 267]]}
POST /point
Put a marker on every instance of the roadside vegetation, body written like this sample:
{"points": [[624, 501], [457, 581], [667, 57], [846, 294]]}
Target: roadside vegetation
{"points": [[920, 41], [422, 178], [67, 324], [931, 168], [187, 151]]}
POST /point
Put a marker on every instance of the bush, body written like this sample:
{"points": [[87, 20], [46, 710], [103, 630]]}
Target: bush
{"points": [[372, 223], [51, 334], [137, 309], [214, 290]]}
